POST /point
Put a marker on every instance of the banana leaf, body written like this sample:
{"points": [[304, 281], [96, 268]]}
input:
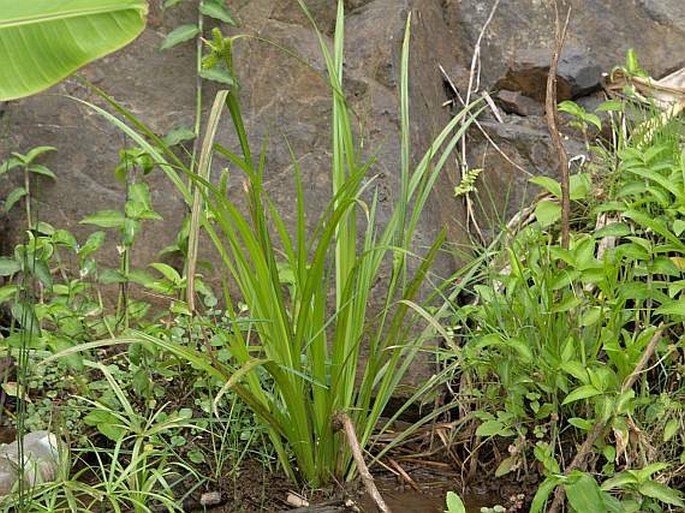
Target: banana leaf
{"points": [[44, 41]]}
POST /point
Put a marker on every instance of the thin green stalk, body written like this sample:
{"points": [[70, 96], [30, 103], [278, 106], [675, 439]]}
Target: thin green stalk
{"points": [[27, 199]]}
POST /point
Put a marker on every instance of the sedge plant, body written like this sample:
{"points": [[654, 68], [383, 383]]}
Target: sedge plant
{"points": [[310, 348], [299, 360]]}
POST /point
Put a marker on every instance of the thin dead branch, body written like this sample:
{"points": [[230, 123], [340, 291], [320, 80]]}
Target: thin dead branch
{"points": [[553, 125], [479, 126], [403, 474], [474, 85], [342, 422]]}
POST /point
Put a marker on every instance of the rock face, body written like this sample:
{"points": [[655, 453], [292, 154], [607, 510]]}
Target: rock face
{"points": [[285, 98]]}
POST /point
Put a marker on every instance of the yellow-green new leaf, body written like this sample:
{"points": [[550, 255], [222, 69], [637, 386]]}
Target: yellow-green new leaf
{"points": [[44, 41]]}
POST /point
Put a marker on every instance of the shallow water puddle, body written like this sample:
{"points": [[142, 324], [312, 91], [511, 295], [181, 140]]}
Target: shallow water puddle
{"points": [[414, 502]]}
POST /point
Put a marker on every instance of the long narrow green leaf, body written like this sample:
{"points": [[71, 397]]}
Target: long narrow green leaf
{"points": [[203, 171]]}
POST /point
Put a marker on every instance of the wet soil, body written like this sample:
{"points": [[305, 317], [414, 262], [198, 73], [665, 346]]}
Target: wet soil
{"points": [[254, 491]]}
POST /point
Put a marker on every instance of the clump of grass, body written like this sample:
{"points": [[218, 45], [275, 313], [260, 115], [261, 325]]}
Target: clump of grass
{"points": [[299, 360]]}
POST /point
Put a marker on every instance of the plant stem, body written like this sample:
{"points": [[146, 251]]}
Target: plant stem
{"points": [[27, 201], [553, 126]]}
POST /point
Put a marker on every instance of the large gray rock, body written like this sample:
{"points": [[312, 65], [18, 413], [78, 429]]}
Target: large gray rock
{"points": [[286, 99], [604, 29]]}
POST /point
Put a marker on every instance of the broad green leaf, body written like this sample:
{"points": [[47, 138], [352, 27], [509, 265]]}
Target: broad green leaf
{"points": [[613, 230], [454, 503], [179, 135], [655, 224], [646, 473], [584, 424], [41, 271], [44, 228], [522, 347], [507, 465], [105, 219], [579, 186], [169, 272], [64, 238], [57, 344], [179, 35], [568, 302], [678, 227], [110, 276], [676, 307], [44, 41], [8, 292], [670, 429], [571, 108], [584, 494], [492, 428], [662, 493], [39, 169], [217, 10], [36, 152], [196, 456], [141, 277], [139, 194], [107, 423], [594, 120], [591, 316], [547, 212], [14, 196], [218, 74], [582, 392], [619, 481], [92, 244], [547, 183], [542, 494], [8, 266]]}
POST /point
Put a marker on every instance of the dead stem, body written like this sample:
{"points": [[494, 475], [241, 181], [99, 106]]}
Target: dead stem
{"points": [[342, 422], [553, 126]]}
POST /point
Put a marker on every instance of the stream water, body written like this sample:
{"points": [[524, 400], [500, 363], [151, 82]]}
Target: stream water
{"points": [[428, 501]]}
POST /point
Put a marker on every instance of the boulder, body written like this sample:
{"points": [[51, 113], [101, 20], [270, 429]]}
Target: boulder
{"points": [[603, 29], [578, 74], [287, 99]]}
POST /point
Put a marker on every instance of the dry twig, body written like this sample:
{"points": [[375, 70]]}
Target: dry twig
{"points": [[553, 125], [403, 474], [474, 85], [342, 422], [479, 126]]}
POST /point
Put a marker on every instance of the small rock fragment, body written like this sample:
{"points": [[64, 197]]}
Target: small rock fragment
{"points": [[578, 74], [41, 460], [210, 499], [513, 102]]}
